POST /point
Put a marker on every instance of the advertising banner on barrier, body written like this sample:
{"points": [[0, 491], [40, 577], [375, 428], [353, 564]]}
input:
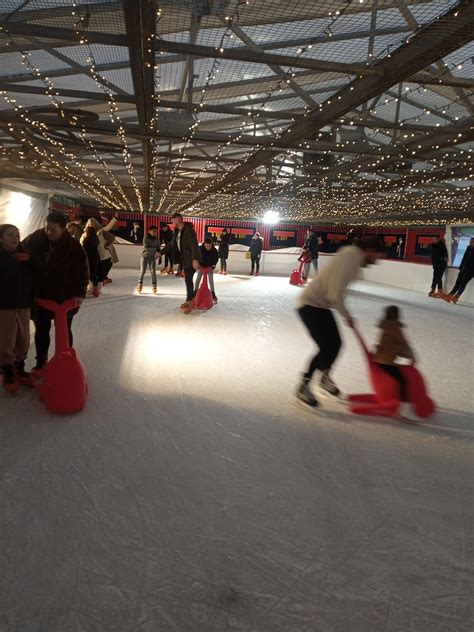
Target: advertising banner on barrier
{"points": [[241, 235], [395, 245], [332, 241], [460, 238], [423, 244], [283, 238]]}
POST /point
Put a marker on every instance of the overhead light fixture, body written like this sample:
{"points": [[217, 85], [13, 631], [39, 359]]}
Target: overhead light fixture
{"points": [[271, 217]]}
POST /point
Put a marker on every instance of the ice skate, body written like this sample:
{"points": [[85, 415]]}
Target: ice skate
{"points": [[140, 288], [154, 289], [454, 299], [184, 305], [189, 307], [431, 294], [214, 298], [38, 369], [328, 385], [22, 377], [439, 294], [9, 381], [164, 271], [305, 395], [95, 292], [170, 271]]}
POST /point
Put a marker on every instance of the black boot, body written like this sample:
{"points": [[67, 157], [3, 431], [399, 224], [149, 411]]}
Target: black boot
{"points": [[214, 297], [305, 395], [328, 385]]}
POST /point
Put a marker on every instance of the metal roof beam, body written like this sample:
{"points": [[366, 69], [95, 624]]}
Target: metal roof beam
{"points": [[257, 56], [60, 34]]}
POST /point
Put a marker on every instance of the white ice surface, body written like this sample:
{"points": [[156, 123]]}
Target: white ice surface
{"points": [[193, 495]]}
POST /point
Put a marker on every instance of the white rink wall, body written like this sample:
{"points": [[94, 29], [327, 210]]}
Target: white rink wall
{"points": [[399, 274]]}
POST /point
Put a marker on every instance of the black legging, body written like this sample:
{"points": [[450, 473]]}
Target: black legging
{"points": [[397, 375], [42, 321], [438, 272], [255, 262], [463, 279], [104, 269], [223, 264], [322, 327], [168, 260]]}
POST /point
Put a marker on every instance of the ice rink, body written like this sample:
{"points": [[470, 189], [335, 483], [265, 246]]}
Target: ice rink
{"points": [[192, 495]]}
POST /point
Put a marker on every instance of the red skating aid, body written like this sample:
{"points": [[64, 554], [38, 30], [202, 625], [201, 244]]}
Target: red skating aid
{"points": [[386, 399], [203, 298], [295, 276], [64, 386]]}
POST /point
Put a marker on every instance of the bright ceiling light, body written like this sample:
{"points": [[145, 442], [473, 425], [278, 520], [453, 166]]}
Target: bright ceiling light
{"points": [[271, 217]]}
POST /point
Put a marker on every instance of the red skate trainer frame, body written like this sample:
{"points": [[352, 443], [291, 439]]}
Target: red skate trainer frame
{"points": [[387, 397], [64, 386]]}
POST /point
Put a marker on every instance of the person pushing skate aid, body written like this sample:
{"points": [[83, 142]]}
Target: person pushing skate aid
{"points": [[326, 293]]}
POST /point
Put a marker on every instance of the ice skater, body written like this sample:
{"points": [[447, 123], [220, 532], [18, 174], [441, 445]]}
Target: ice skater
{"points": [[256, 247], [209, 259], [166, 237], [16, 281], [150, 253], [90, 242], [325, 293], [439, 261], [305, 258], [60, 273], [312, 244], [466, 273], [393, 345], [186, 245], [224, 242]]}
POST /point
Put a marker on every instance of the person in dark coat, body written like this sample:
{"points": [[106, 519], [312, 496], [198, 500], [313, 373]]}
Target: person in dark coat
{"points": [[312, 245], [150, 253], [209, 259], [466, 273], [60, 273], [224, 242], [256, 247], [16, 283], [186, 245], [439, 261], [166, 238]]}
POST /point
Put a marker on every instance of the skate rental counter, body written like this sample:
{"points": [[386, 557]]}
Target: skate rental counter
{"points": [[400, 274]]}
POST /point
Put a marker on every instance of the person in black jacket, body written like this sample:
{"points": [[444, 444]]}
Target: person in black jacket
{"points": [[313, 246], [150, 253], [166, 237], [209, 259], [60, 273], [466, 273], [256, 247], [224, 242], [186, 245], [439, 261], [90, 242], [16, 283]]}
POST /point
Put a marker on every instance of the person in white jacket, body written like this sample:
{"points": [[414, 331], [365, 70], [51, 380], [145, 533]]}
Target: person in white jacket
{"points": [[105, 255], [325, 293]]}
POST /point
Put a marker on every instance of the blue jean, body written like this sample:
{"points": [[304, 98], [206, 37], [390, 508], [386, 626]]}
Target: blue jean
{"points": [[210, 276]]}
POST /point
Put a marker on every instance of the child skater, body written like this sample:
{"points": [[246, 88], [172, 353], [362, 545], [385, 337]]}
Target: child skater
{"points": [[90, 243], [209, 259], [150, 253], [305, 258], [393, 345], [16, 296]]}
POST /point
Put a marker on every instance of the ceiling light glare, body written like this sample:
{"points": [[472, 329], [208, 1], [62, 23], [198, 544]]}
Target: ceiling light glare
{"points": [[271, 217]]}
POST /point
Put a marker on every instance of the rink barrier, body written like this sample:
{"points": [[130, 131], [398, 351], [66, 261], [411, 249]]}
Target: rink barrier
{"points": [[393, 273]]}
